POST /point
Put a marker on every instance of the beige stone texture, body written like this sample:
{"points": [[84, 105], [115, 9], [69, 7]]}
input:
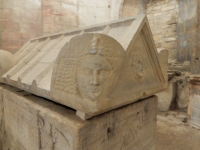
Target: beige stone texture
{"points": [[32, 123], [170, 45], [163, 59], [6, 62], [167, 97], [22, 20], [132, 8], [194, 101], [1, 118], [182, 98], [122, 55], [163, 15]]}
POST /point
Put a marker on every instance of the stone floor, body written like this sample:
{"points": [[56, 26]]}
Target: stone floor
{"points": [[174, 134]]}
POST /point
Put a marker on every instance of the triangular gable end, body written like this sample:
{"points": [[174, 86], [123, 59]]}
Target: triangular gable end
{"points": [[142, 74], [144, 32]]}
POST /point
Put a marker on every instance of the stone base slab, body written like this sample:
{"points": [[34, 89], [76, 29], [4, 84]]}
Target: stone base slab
{"points": [[31, 123]]}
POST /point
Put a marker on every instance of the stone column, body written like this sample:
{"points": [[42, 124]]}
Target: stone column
{"points": [[187, 28]]}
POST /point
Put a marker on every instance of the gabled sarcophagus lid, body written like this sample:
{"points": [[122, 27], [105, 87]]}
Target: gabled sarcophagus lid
{"points": [[93, 69]]}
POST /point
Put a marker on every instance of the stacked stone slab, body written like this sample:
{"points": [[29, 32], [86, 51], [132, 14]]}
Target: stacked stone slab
{"points": [[49, 66], [102, 71]]}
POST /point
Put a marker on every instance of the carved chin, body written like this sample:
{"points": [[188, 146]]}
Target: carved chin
{"points": [[140, 74], [93, 93]]}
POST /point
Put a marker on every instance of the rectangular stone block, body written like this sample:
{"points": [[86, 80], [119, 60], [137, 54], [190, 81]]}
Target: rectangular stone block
{"points": [[194, 102], [166, 97], [31, 123]]}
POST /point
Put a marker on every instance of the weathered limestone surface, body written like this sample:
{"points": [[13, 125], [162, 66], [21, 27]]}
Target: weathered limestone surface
{"points": [[163, 16], [182, 98], [132, 7], [20, 21], [93, 69], [1, 118], [194, 101], [188, 37], [163, 59], [23, 20], [101, 76], [167, 97], [32, 123], [6, 62]]}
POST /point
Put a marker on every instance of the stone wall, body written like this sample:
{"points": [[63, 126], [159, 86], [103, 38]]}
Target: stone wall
{"points": [[59, 15], [187, 29], [132, 8], [163, 18], [20, 21], [96, 11], [173, 23]]}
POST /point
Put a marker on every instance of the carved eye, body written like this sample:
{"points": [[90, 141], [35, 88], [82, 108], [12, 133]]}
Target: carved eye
{"points": [[87, 71], [103, 72]]}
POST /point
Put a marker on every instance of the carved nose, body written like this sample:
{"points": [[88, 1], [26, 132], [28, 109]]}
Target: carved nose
{"points": [[95, 78]]}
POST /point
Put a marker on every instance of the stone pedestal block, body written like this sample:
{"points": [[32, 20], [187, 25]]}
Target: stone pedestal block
{"points": [[32, 123], [182, 98], [166, 97], [194, 102]]}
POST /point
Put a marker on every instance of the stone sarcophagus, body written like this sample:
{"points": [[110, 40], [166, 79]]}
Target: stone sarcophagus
{"points": [[94, 69]]}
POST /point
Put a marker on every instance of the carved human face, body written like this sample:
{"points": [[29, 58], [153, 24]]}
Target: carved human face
{"points": [[93, 74], [137, 66]]}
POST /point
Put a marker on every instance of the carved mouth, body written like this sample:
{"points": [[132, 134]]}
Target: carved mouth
{"points": [[94, 95], [95, 92]]}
